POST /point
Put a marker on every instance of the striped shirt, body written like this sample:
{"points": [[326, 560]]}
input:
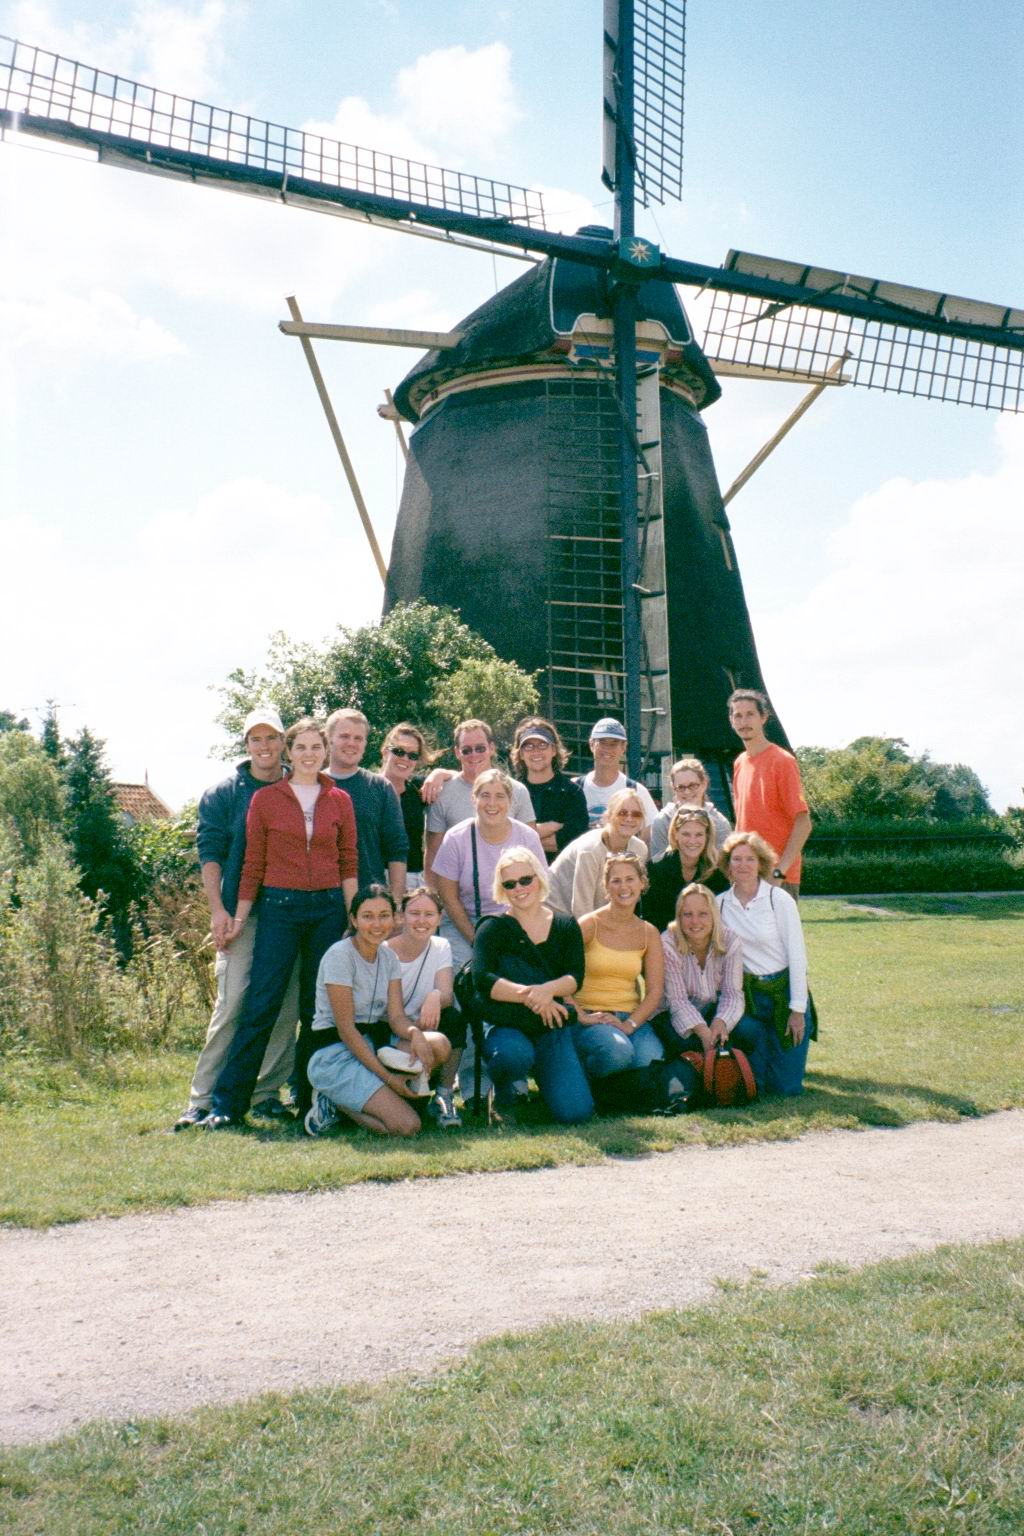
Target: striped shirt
{"points": [[688, 986]]}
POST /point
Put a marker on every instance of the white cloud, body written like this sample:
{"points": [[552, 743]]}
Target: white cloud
{"points": [[146, 627], [177, 47], [568, 211], [99, 323], [917, 629], [460, 98]]}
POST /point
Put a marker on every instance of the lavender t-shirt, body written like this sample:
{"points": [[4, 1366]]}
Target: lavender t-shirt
{"points": [[454, 861]]}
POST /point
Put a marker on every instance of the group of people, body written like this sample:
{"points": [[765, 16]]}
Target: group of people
{"points": [[596, 934]]}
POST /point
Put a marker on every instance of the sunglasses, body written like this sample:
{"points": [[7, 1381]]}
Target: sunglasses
{"points": [[630, 815], [413, 757], [510, 885], [483, 746]]}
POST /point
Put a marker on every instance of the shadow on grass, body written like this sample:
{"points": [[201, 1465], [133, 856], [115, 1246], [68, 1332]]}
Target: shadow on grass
{"points": [[833, 1100]]}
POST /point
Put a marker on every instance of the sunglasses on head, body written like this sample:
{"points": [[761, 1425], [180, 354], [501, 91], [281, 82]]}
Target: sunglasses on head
{"points": [[510, 885], [481, 746], [413, 757]]}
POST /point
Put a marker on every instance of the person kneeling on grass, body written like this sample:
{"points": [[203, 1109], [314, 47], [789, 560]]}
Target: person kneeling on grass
{"points": [[704, 982], [358, 1012], [527, 963], [427, 999], [767, 920]]}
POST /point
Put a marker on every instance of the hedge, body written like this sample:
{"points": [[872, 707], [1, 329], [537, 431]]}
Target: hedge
{"points": [[982, 867]]}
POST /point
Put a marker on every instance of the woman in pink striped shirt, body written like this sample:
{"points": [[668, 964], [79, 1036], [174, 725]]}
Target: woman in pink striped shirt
{"points": [[704, 980]]}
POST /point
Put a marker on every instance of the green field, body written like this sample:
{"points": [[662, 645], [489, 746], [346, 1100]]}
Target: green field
{"points": [[921, 1002], [884, 1403]]}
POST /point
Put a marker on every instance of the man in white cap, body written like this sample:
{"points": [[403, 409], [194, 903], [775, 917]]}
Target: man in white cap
{"points": [[608, 746], [221, 843]]}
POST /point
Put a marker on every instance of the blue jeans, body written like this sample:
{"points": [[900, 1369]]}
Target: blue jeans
{"points": [[603, 1049], [783, 1069], [293, 925], [554, 1062]]}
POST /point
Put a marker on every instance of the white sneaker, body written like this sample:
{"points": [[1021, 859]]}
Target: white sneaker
{"points": [[323, 1115], [398, 1061], [442, 1109]]}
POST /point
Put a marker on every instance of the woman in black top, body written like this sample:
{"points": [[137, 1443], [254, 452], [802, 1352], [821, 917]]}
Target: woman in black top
{"points": [[403, 752], [538, 756], [691, 856], [527, 964]]}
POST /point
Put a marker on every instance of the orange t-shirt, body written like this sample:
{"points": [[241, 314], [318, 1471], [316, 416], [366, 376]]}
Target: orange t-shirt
{"points": [[768, 797]]}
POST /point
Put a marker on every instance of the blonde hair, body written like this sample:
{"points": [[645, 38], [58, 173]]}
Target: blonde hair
{"points": [[494, 776], [337, 716], [767, 858], [616, 803], [708, 859], [519, 856], [633, 860], [675, 928]]}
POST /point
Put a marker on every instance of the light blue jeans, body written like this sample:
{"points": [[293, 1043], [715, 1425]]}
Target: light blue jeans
{"points": [[603, 1049]]}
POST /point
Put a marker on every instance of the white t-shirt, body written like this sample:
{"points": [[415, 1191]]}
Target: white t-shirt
{"points": [[307, 795], [598, 796], [344, 966], [419, 975]]}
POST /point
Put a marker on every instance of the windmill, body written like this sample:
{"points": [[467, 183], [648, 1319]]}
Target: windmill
{"points": [[774, 318]]}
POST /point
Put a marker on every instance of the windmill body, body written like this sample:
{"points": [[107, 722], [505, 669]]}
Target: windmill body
{"points": [[510, 508]]}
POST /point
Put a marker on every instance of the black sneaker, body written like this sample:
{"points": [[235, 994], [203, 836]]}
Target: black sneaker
{"points": [[193, 1116], [272, 1109]]}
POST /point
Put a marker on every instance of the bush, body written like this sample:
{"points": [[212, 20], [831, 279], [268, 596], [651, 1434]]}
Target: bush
{"points": [[63, 993], [984, 867]]}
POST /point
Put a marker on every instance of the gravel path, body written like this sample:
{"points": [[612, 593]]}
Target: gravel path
{"points": [[156, 1314]]}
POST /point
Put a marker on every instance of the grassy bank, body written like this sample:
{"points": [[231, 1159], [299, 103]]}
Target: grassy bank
{"points": [[884, 1403], [921, 1002]]}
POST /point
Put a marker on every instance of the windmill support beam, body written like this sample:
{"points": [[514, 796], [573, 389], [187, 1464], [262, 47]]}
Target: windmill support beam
{"points": [[339, 443], [833, 377], [375, 335]]}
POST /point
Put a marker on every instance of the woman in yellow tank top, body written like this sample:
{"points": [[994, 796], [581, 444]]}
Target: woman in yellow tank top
{"points": [[624, 979]]}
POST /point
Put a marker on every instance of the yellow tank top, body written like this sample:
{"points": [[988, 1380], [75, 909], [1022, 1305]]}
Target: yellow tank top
{"points": [[612, 978]]}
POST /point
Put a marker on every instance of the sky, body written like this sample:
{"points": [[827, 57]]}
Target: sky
{"points": [[169, 493]]}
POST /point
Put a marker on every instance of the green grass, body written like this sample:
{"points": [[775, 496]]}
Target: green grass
{"points": [[885, 1403], [921, 1002]]}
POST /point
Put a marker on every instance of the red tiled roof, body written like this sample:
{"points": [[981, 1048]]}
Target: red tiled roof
{"points": [[140, 803]]}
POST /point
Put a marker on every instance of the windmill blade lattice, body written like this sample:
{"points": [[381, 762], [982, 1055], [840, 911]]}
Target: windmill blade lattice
{"points": [[164, 132], [659, 48], [933, 355]]}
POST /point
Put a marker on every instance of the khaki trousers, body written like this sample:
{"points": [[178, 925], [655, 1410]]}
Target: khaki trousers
{"points": [[232, 973]]}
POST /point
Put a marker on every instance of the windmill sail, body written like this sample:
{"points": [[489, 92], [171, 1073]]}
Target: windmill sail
{"points": [[923, 343], [659, 50], [142, 128]]}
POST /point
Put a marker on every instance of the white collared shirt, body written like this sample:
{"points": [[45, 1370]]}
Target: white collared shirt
{"points": [[773, 939]]}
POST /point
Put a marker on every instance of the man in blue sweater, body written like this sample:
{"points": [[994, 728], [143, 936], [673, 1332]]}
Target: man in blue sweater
{"points": [[380, 826], [221, 844]]}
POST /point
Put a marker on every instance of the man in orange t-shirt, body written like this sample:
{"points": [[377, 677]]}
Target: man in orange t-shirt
{"points": [[766, 788]]}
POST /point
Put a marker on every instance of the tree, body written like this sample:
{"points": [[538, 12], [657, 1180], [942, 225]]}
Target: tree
{"points": [[10, 722], [877, 778], [492, 690], [50, 736], [31, 797], [99, 841], [391, 671]]}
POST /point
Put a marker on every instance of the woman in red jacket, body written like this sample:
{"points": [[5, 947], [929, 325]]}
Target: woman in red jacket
{"points": [[301, 862]]}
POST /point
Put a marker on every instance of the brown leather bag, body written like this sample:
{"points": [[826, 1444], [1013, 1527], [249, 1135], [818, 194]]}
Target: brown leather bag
{"points": [[725, 1076]]}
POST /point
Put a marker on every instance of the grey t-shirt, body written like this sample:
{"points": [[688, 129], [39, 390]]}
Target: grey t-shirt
{"points": [[455, 804], [344, 966]]}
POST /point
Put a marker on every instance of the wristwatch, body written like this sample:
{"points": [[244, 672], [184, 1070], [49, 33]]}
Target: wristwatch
{"points": [[777, 874]]}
